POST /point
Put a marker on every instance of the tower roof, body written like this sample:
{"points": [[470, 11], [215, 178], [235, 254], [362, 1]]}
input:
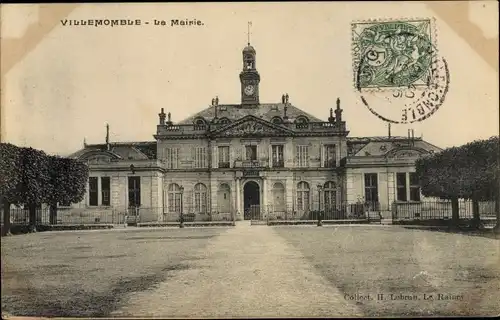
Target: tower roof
{"points": [[249, 48]]}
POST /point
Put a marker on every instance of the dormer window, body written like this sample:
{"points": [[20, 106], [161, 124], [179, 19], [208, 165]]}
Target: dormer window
{"points": [[302, 119], [277, 120], [199, 122], [224, 121]]}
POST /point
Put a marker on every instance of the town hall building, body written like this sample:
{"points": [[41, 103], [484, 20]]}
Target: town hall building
{"points": [[253, 158]]}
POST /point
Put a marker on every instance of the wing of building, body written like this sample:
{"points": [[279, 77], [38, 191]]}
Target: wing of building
{"points": [[238, 159]]}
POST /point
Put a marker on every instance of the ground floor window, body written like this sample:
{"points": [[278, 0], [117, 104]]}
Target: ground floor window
{"points": [[330, 195], [303, 196], [200, 198], [371, 188], [134, 192], [174, 198]]}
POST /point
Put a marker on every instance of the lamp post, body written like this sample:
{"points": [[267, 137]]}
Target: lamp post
{"points": [[181, 225], [320, 188]]}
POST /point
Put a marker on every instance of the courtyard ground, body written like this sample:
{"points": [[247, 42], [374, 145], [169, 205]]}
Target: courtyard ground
{"points": [[250, 271]]}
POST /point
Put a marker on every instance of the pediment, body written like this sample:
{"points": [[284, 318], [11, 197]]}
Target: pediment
{"points": [[252, 126], [98, 157], [406, 153]]}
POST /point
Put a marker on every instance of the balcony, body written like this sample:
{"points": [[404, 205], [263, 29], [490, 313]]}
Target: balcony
{"points": [[250, 163], [224, 165], [330, 163], [278, 164]]}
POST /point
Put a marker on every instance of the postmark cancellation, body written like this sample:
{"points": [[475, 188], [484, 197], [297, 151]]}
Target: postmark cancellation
{"points": [[397, 69]]}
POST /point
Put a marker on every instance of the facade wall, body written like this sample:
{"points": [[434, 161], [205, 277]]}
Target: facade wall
{"points": [[386, 177], [316, 150], [150, 193], [187, 175]]}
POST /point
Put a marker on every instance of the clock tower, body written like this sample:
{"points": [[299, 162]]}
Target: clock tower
{"points": [[249, 78]]}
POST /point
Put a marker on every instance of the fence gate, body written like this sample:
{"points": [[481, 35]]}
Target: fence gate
{"points": [[253, 213]]}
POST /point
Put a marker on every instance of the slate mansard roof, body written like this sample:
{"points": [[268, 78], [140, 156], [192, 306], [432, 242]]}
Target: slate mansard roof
{"points": [[145, 150], [357, 146]]}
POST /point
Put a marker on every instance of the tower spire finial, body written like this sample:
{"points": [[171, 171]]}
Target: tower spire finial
{"points": [[248, 32]]}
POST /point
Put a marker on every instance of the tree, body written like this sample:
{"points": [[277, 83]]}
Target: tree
{"points": [[34, 186], [67, 185], [470, 172], [10, 178]]}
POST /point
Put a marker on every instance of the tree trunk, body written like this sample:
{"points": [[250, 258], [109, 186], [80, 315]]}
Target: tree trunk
{"points": [[32, 215], [53, 213], [6, 219], [476, 219], [455, 217]]}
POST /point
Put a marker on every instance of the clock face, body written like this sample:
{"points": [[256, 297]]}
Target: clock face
{"points": [[249, 90]]}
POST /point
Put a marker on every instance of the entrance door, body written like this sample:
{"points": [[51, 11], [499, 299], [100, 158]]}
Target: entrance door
{"points": [[251, 202]]}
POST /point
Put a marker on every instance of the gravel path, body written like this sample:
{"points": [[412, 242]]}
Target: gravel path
{"points": [[249, 271]]}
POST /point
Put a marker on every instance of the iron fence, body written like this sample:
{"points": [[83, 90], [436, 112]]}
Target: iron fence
{"points": [[111, 215], [340, 211], [440, 210]]}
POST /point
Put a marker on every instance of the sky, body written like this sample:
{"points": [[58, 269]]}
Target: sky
{"points": [[77, 79]]}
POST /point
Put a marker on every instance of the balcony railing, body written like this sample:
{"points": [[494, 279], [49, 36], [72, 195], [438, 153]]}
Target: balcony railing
{"points": [[250, 164], [302, 125], [278, 163], [330, 163], [224, 165]]}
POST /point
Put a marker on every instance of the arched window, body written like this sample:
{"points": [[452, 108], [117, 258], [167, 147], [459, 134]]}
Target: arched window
{"points": [[279, 197], [277, 120], [224, 121], [174, 198], [200, 198], [200, 122], [330, 195], [301, 119], [303, 196]]}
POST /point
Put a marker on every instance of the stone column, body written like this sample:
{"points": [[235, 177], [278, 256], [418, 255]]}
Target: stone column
{"points": [[270, 156], [321, 155], [238, 206], [264, 194], [215, 157], [99, 190]]}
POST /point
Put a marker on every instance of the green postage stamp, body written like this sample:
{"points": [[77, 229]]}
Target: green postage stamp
{"points": [[392, 54]]}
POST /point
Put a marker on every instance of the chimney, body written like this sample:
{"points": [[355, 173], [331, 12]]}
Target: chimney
{"points": [[389, 129], [107, 137], [162, 116], [409, 138], [412, 137]]}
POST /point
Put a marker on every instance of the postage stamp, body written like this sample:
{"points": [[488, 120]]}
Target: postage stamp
{"points": [[392, 54], [397, 70]]}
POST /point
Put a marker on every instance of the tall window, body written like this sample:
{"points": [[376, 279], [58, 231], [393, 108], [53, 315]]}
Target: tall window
{"points": [[303, 196], [172, 158], [371, 188], [174, 198], [401, 186], [330, 195], [93, 191], [200, 198], [414, 187], [224, 157], [330, 156], [278, 160], [302, 156], [134, 192], [251, 152], [200, 157], [105, 191]]}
